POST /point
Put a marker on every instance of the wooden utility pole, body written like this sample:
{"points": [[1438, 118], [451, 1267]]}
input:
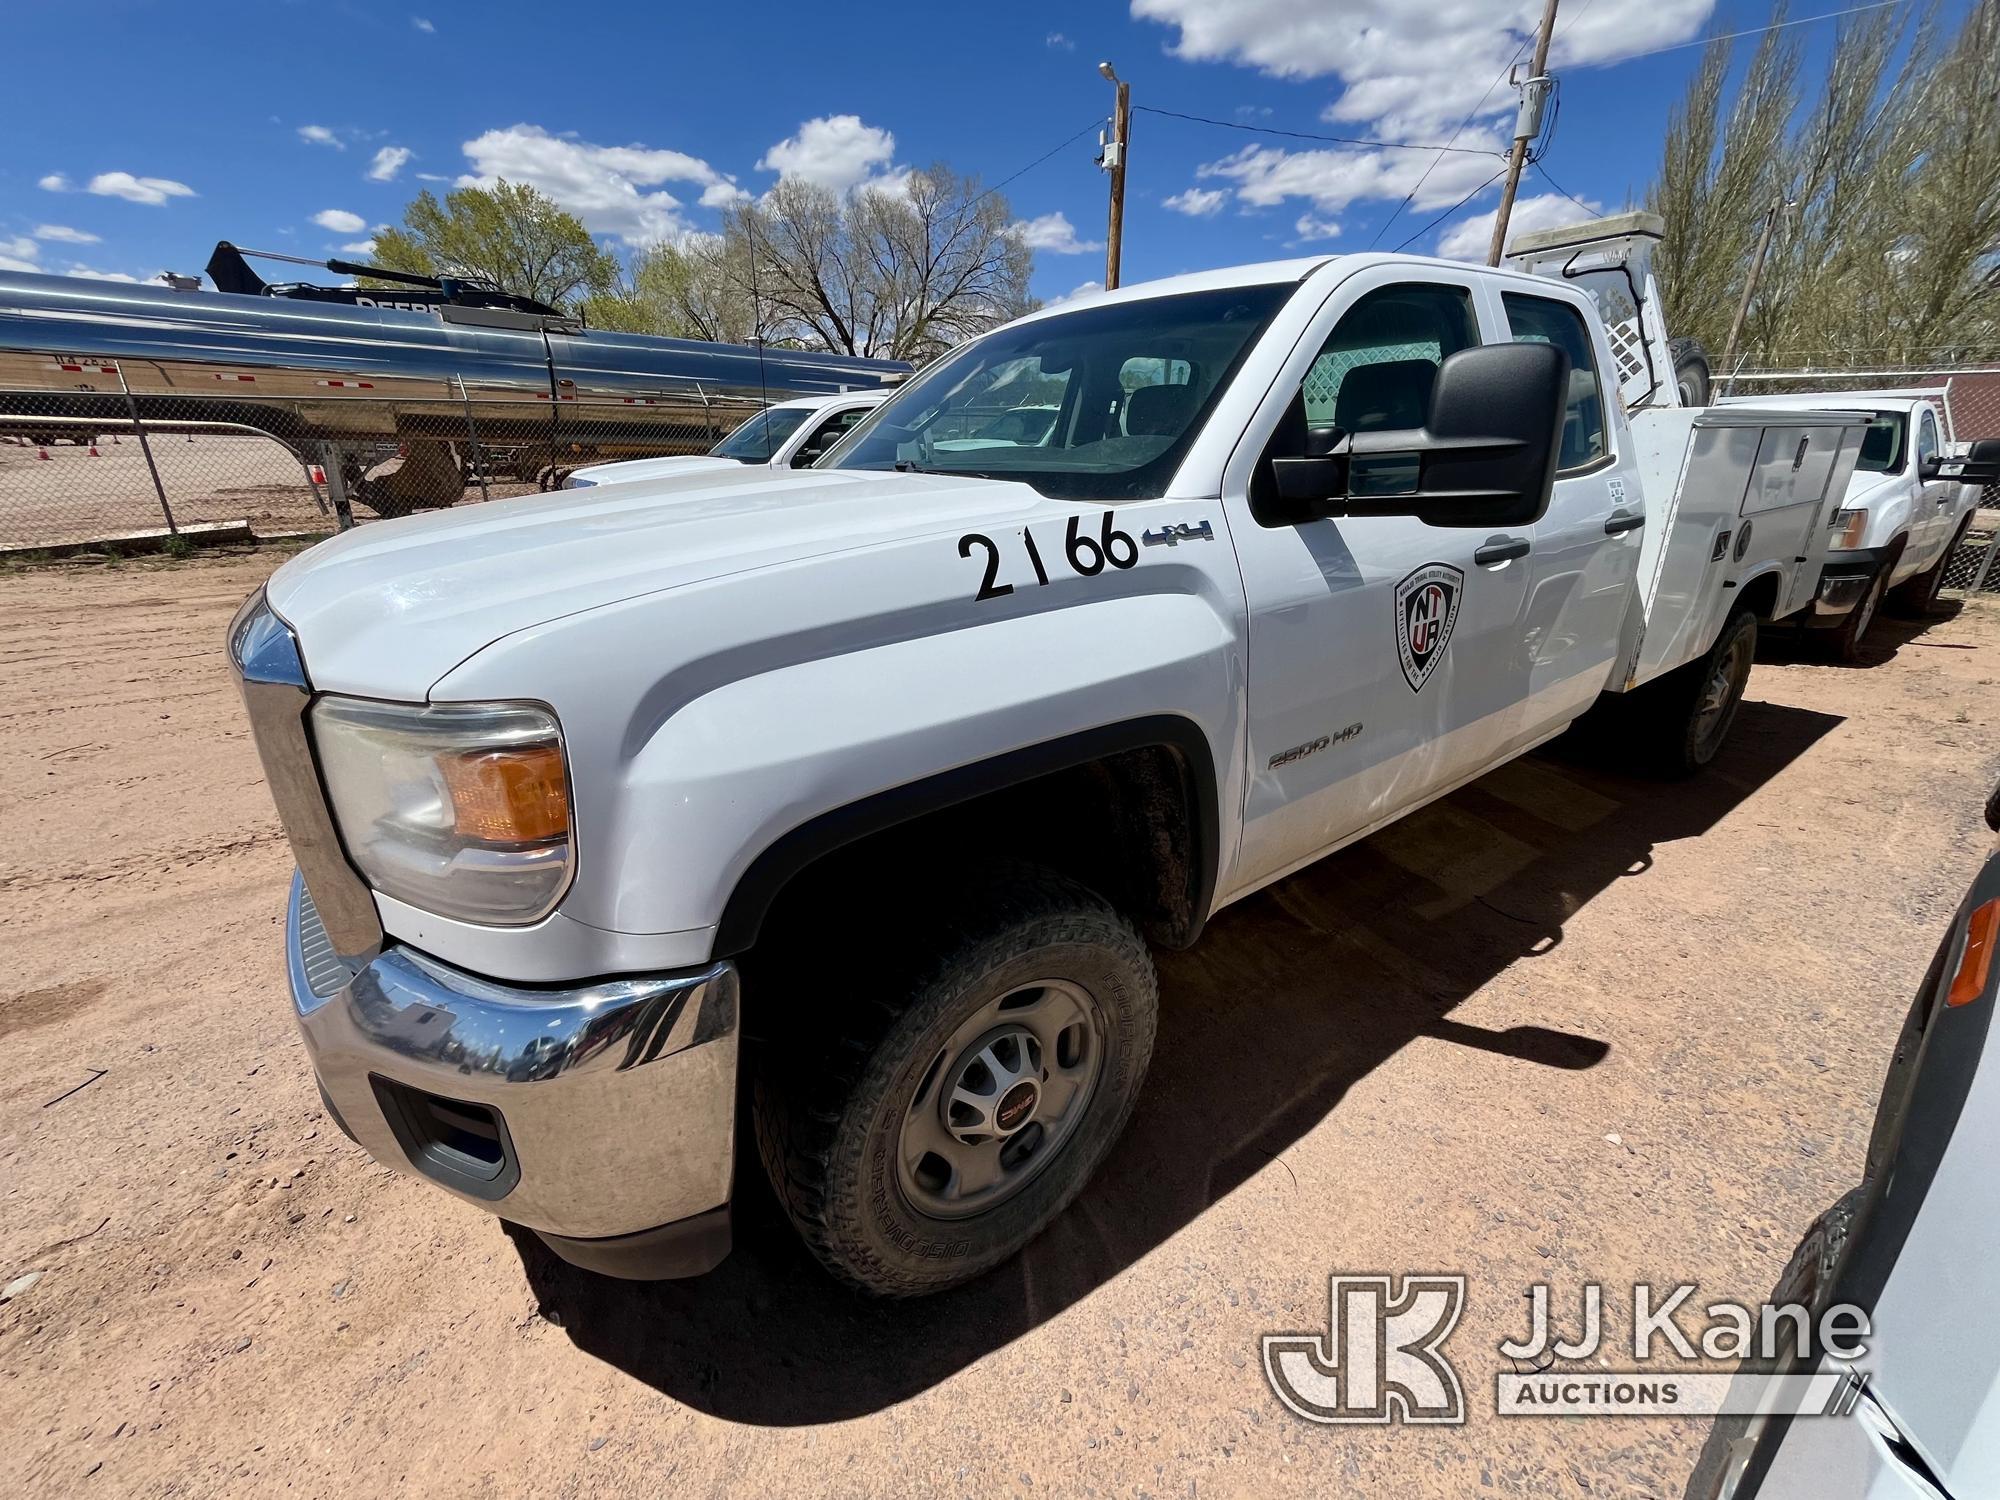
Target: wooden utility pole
{"points": [[1114, 162], [1749, 291], [1518, 157]]}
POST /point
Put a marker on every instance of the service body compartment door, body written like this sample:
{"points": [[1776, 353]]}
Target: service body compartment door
{"points": [[1784, 506]]}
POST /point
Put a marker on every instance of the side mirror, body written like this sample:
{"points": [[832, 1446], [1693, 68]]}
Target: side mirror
{"points": [[1485, 456], [1980, 465]]}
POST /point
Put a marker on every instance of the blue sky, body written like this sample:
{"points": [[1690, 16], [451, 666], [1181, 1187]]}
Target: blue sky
{"points": [[160, 128]]}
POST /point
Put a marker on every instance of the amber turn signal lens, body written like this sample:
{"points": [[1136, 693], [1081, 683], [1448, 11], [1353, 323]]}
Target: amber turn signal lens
{"points": [[508, 796], [1975, 965]]}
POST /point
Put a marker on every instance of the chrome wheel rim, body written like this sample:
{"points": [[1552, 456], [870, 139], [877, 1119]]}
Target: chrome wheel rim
{"points": [[1867, 606], [1000, 1099], [1722, 692]]}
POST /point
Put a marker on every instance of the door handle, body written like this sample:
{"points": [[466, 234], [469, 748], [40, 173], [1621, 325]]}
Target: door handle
{"points": [[1620, 521], [1504, 549]]}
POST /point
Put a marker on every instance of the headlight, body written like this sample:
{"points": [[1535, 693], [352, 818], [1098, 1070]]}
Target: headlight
{"points": [[1849, 526], [461, 809]]}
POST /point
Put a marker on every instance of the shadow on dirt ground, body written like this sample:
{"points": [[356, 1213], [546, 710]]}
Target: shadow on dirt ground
{"points": [[1887, 637], [1290, 998]]}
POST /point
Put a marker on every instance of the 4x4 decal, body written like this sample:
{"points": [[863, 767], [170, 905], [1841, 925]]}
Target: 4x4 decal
{"points": [[1426, 609]]}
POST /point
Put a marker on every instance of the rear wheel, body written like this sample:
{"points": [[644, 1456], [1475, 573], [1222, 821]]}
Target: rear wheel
{"points": [[1690, 711], [1847, 639], [1690, 371], [931, 1125], [1919, 595]]}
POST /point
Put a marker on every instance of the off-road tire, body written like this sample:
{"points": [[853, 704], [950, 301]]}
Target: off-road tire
{"points": [[828, 1103], [1918, 596], [1846, 641], [1807, 1280], [1691, 374], [1682, 742]]}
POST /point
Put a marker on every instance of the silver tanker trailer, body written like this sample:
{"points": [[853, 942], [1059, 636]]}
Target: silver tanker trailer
{"points": [[407, 393]]}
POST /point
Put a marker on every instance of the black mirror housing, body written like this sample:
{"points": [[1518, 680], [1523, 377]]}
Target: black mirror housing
{"points": [[1980, 466], [1485, 456]]}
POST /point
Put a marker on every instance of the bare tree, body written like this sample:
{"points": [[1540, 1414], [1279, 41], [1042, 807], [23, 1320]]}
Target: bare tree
{"points": [[686, 290]]}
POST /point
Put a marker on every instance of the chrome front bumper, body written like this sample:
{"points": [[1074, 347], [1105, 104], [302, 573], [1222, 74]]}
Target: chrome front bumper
{"points": [[587, 1113]]}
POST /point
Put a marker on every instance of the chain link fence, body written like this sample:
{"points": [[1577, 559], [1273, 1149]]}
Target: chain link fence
{"points": [[107, 462], [1971, 401]]}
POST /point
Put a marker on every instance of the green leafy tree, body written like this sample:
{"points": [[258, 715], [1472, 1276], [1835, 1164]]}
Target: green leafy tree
{"points": [[1886, 248], [510, 234]]}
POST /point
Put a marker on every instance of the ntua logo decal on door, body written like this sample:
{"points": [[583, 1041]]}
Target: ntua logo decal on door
{"points": [[1426, 609]]}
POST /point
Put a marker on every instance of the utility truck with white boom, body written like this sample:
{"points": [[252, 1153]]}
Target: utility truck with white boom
{"points": [[865, 790]]}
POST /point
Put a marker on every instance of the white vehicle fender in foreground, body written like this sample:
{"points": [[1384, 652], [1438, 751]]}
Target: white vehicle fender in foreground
{"points": [[706, 724]]}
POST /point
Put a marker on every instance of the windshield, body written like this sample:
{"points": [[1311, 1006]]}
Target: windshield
{"points": [[762, 436], [1099, 403], [1882, 444]]}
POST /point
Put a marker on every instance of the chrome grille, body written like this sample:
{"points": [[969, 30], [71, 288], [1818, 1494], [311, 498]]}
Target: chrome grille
{"points": [[325, 972]]}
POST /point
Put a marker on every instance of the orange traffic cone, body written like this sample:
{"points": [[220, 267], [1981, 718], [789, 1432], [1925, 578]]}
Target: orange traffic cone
{"points": [[42, 453]]}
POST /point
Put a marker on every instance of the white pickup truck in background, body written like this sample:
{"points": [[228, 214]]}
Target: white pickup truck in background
{"points": [[784, 435], [1902, 517], [864, 788]]}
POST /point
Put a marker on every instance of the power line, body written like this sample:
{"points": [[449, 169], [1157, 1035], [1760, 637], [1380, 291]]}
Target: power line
{"points": [[1303, 135], [1095, 121], [1561, 189], [1452, 210], [1730, 36], [1505, 68]]}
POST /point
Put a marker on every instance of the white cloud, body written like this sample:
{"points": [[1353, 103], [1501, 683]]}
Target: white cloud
{"points": [[1469, 239], [1086, 289], [87, 274], [1197, 203], [8, 263], [723, 195], [320, 135], [124, 185], [55, 182], [1265, 176], [359, 247], [63, 234], [18, 250], [1057, 42], [1053, 233], [1309, 228], [835, 151], [340, 221], [433, 177], [388, 162], [601, 185], [422, 24], [1412, 71]]}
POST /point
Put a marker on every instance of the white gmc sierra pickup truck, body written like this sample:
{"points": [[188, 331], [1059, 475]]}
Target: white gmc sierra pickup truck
{"points": [[1904, 514], [879, 778]]}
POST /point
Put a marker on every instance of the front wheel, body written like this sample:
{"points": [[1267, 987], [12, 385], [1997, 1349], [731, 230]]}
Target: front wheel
{"points": [[924, 1132], [1847, 639], [1919, 595]]}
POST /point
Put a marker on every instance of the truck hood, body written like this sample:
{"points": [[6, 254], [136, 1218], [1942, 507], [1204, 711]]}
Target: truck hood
{"points": [[1868, 488], [387, 609]]}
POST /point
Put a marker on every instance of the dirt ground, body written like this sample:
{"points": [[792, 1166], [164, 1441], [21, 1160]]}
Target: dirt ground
{"points": [[1567, 1025]]}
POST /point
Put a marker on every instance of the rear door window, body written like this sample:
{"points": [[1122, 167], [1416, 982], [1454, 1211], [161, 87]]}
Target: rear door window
{"points": [[1586, 441]]}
